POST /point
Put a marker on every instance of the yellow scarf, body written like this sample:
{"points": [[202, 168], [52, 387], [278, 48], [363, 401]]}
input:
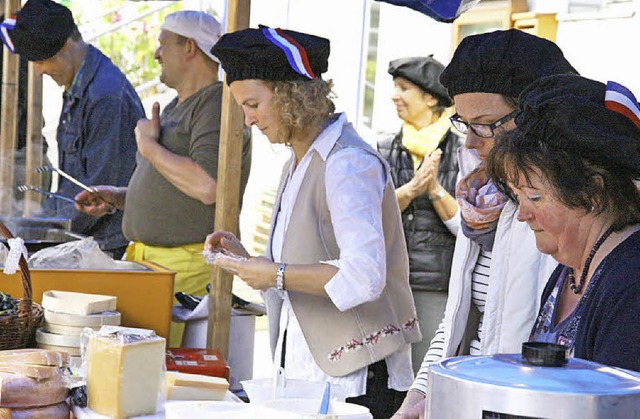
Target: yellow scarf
{"points": [[424, 141]]}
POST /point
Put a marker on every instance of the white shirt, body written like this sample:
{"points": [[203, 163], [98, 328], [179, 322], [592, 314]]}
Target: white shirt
{"points": [[354, 182]]}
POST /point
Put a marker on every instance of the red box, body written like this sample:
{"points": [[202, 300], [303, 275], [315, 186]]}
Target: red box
{"points": [[197, 361]]}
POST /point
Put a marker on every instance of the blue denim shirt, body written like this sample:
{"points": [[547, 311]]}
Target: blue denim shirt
{"points": [[96, 143]]}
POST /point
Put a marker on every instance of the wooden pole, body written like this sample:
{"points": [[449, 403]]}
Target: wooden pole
{"points": [[228, 192], [8, 119], [35, 143]]}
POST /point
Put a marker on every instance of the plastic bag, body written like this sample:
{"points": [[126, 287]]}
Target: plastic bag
{"points": [[77, 254]]}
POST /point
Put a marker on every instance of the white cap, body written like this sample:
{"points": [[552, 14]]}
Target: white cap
{"points": [[200, 26]]}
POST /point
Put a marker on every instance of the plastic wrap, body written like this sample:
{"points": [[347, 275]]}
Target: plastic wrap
{"points": [[222, 255], [124, 370], [78, 254]]}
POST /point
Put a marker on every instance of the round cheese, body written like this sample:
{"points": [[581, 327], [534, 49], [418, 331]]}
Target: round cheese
{"points": [[111, 318], [19, 391], [54, 411], [65, 330], [57, 340]]}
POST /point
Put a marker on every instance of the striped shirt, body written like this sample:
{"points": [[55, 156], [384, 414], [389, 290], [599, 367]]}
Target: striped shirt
{"points": [[479, 287]]}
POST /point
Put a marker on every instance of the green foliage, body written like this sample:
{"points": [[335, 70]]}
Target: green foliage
{"points": [[131, 47]]}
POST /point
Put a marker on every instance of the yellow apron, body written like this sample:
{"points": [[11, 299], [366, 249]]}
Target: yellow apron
{"points": [[192, 272]]}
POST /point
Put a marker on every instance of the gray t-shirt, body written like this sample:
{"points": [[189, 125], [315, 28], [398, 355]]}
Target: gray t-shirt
{"points": [[156, 212]]}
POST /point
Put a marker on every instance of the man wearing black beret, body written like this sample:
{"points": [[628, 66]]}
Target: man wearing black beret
{"points": [[95, 135]]}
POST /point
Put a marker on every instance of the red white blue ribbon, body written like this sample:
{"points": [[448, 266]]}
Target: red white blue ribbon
{"points": [[5, 26], [295, 53], [620, 99]]}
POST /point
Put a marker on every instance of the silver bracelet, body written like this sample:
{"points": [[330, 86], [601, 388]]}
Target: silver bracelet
{"points": [[438, 195], [280, 276]]}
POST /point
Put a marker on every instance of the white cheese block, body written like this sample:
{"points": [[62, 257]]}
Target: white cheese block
{"points": [[56, 339], [194, 393], [54, 411], [35, 357], [37, 372], [19, 391], [111, 318], [77, 303], [124, 372], [182, 386], [65, 330], [195, 380]]}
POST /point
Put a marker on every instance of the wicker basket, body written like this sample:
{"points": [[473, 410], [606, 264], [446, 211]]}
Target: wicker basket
{"points": [[17, 329]]}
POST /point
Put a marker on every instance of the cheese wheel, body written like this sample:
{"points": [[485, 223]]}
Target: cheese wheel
{"points": [[57, 340], [110, 318], [54, 411], [38, 372], [19, 391], [65, 330], [35, 357]]}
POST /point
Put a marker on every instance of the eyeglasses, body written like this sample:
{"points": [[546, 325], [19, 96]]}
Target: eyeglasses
{"points": [[481, 130]]}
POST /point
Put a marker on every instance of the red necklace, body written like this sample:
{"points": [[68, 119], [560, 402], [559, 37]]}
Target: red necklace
{"points": [[587, 263]]}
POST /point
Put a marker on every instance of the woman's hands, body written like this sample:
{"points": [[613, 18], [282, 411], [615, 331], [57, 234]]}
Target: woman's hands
{"points": [[412, 407], [426, 177], [258, 272], [424, 180], [225, 242]]}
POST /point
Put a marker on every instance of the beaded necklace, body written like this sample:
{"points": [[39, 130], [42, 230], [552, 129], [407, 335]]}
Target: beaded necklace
{"points": [[587, 263]]}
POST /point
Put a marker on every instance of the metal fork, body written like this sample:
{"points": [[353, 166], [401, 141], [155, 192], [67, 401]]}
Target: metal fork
{"points": [[71, 179], [24, 188], [43, 169]]}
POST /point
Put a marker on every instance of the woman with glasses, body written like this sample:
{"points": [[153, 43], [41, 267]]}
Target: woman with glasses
{"points": [[424, 168], [497, 273]]}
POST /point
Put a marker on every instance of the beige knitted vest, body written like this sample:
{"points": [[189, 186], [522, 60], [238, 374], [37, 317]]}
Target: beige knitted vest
{"points": [[343, 342]]}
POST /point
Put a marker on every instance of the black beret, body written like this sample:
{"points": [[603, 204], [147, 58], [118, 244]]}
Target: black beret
{"points": [[41, 30], [250, 54], [424, 72], [568, 112], [502, 62]]}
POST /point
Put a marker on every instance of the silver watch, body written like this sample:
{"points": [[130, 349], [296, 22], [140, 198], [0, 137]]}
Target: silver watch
{"points": [[280, 276]]}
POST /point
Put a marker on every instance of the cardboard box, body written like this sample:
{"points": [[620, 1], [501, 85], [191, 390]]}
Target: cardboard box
{"points": [[145, 295], [197, 361]]}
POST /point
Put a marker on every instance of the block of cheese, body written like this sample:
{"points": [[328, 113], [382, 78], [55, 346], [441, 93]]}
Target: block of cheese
{"points": [[111, 318], [124, 371], [56, 339], [55, 411], [182, 386], [35, 357], [77, 302], [60, 329], [37, 372], [69, 350], [19, 391]]}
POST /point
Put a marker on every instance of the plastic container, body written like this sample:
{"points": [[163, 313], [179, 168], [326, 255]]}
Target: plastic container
{"points": [[262, 390], [308, 408], [204, 409]]}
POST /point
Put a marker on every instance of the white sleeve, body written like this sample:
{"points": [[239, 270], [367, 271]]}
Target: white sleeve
{"points": [[355, 182]]}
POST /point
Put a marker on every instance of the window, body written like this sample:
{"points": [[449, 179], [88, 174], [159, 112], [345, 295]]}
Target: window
{"points": [[370, 64]]}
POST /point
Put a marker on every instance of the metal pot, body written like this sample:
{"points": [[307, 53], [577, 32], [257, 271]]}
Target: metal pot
{"points": [[39, 233], [508, 386]]}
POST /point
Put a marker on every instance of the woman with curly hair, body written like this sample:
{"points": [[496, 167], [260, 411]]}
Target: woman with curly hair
{"points": [[335, 277]]}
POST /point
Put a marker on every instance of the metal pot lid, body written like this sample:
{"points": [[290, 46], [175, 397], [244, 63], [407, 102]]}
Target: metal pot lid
{"points": [[509, 370]]}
